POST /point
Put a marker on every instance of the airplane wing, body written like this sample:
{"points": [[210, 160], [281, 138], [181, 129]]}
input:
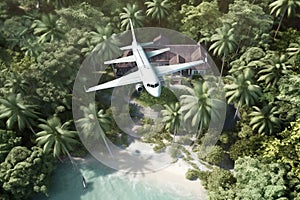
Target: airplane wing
{"points": [[121, 60], [156, 52], [133, 77], [169, 69]]}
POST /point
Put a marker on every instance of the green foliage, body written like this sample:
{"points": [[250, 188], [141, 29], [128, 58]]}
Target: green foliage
{"points": [[285, 149], [250, 22], [265, 119], [192, 174], [48, 29], [82, 16], [289, 92], [224, 41], [197, 104], [166, 97], [131, 11], [56, 137], [257, 180], [199, 22], [172, 117], [274, 66], [53, 74], [157, 9], [252, 180], [174, 150], [249, 146], [160, 146], [242, 89], [282, 7], [8, 140], [215, 156], [25, 172], [15, 111], [217, 182]]}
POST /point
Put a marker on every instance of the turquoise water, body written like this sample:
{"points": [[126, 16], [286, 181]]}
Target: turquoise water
{"points": [[104, 184]]}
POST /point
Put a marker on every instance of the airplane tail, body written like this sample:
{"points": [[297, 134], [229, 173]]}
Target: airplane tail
{"points": [[132, 32]]}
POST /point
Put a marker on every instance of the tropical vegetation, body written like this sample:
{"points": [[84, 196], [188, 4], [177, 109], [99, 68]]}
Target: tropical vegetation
{"points": [[255, 45]]}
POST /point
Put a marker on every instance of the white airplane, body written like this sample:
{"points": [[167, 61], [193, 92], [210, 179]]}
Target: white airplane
{"points": [[146, 74]]}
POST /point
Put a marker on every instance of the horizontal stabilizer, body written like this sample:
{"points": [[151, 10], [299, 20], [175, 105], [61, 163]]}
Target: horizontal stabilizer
{"points": [[121, 60], [126, 48], [156, 52], [146, 44]]}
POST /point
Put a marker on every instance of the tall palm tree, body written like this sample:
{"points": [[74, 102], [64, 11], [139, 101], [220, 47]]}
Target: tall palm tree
{"points": [[273, 68], [48, 28], [197, 105], [242, 90], [16, 111], [158, 9], [56, 137], [101, 34], [172, 117], [131, 12], [264, 119], [105, 41], [89, 121], [281, 7], [224, 42]]}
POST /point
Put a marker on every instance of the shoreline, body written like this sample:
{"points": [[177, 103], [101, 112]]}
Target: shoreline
{"points": [[170, 178], [173, 177]]}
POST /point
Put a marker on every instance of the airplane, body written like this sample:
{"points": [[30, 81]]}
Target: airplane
{"points": [[146, 74]]}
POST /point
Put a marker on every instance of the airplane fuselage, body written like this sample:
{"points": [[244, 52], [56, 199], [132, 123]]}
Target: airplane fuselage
{"points": [[150, 79]]}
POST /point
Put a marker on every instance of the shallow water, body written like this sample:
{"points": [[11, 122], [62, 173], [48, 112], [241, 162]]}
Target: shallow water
{"points": [[104, 183]]}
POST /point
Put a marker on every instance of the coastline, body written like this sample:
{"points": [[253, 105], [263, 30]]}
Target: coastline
{"points": [[171, 176]]}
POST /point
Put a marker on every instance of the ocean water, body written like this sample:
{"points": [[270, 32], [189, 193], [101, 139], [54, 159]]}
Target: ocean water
{"points": [[104, 183]]}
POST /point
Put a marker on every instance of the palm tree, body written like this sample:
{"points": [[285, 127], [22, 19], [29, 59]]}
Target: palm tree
{"points": [[242, 90], [172, 117], [281, 7], [49, 28], [197, 105], [157, 9], [31, 47], [89, 121], [131, 12], [56, 137], [273, 68], [101, 34], [264, 119], [16, 111], [223, 43]]}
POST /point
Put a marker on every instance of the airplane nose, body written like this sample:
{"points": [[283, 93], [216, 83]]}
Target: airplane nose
{"points": [[156, 93]]}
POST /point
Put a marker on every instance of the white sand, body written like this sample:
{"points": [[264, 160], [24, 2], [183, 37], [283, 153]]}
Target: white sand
{"points": [[172, 176]]}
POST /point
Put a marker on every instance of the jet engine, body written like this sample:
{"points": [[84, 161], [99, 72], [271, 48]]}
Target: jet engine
{"points": [[139, 87]]}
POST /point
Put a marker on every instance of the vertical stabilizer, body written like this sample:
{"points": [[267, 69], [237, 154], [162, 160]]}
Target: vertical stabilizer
{"points": [[132, 32]]}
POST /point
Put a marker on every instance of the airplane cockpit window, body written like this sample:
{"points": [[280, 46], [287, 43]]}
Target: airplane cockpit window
{"points": [[153, 85]]}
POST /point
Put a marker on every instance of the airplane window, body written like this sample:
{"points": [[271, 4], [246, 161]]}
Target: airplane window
{"points": [[148, 85], [156, 85]]}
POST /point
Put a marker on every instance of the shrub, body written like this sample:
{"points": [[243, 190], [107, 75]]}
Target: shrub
{"points": [[192, 174], [174, 151], [215, 156]]}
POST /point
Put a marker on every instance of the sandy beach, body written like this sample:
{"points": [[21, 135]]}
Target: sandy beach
{"points": [[171, 176]]}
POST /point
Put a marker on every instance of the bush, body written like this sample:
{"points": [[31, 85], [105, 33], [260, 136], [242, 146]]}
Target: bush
{"points": [[215, 156], [185, 140], [175, 151], [192, 174], [159, 147]]}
